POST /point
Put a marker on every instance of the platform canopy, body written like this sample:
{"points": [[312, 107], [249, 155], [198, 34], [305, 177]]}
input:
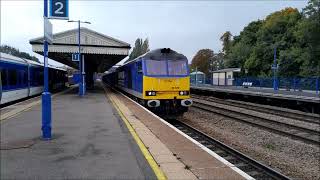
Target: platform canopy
{"points": [[101, 51]]}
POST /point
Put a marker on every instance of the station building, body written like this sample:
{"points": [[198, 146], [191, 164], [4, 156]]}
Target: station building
{"points": [[225, 77], [100, 52]]}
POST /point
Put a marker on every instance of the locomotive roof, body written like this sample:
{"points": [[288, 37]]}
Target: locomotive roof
{"points": [[160, 54]]}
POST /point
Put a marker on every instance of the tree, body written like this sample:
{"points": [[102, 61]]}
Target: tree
{"points": [[140, 47], [15, 52], [308, 37], [217, 61], [202, 59], [226, 41], [294, 34], [242, 46]]}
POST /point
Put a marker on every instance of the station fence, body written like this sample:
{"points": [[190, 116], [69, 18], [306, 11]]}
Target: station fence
{"points": [[289, 84]]}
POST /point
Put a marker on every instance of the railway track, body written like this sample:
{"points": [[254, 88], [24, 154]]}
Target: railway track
{"points": [[241, 161], [295, 132], [304, 117]]}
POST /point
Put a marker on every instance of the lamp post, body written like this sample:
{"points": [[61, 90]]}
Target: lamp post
{"points": [[211, 71], [196, 76], [82, 85], [246, 72], [275, 68]]}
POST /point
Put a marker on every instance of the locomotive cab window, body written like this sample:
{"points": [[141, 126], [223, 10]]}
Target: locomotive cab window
{"points": [[167, 67], [155, 67], [178, 67]]}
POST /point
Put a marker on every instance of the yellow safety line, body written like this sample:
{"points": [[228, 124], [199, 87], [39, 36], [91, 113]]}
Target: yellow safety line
{"points": [[27, 107], [160, 175]]}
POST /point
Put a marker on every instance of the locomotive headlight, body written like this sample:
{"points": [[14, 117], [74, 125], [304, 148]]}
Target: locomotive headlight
{"points": [[184, 93], [151, 93]]}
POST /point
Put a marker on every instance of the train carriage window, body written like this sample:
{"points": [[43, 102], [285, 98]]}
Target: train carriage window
{"points": [[25, 77], [21, 77], [41, 77], [4, 77], [12, 77], [129, 79]]}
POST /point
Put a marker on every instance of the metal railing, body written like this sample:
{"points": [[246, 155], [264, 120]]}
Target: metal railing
{"points": [[311, 84]]}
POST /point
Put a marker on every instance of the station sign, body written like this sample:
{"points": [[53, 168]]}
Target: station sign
{"points": [[48, 36], [59, 9], [75, 57]]}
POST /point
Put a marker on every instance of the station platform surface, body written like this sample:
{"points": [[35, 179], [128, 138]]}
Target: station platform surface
{"points": [[306, 96], [90, 141], [103, 135]]}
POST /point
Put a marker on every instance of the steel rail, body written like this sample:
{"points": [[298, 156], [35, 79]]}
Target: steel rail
{"points": [[250, 166], [296, 132], [279, 112]]}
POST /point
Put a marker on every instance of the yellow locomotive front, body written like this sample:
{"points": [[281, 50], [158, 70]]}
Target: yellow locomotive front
{"points": [[166, 82]]}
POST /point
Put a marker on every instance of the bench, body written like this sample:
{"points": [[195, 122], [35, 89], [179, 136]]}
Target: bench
{"points": [[247, 84]]}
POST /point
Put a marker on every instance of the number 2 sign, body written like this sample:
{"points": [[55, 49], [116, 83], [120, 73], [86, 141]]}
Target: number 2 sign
{"points": [[59, 9]]}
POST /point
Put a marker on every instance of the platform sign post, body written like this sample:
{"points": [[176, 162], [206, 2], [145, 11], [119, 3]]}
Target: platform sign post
{"points": [[46, 96], [83, 78], [81, 85], [58, 10]]}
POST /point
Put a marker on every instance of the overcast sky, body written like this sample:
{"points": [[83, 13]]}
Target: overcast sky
{"points": [[185, 26]]}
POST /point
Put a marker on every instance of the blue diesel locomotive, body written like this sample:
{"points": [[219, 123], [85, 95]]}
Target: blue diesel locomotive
{"points": [[21, 78], [158, 80]]}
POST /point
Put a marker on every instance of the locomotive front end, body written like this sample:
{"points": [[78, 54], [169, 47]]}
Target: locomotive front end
{"points": [[166, 83]]}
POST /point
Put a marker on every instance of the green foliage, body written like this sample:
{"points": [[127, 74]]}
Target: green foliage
{"points": [[204, 58], [15, 52], [294, 34], [140, 47], [226, 41]]}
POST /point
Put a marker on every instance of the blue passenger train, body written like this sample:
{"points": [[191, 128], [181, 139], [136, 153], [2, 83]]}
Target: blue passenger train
{"points": [[158, 80], [21, 78]]}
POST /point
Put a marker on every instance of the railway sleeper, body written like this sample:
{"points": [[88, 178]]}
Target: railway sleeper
{"points": [[240, 165], [253, 173]]}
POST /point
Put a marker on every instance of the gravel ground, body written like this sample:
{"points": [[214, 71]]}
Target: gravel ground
{"points": [[292, 158], [268, 116]]}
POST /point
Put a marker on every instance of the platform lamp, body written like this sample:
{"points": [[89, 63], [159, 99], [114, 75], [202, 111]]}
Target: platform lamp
{"points": [[82, 85], [211, 70]]}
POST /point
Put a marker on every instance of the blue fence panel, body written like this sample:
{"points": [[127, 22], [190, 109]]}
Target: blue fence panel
{"points": [[283, 83], [292, 83]]}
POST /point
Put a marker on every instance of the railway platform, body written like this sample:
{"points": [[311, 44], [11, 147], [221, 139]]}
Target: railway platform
{"points": [[305, 96], [102, 135], [89, 142], [308, 101]]}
